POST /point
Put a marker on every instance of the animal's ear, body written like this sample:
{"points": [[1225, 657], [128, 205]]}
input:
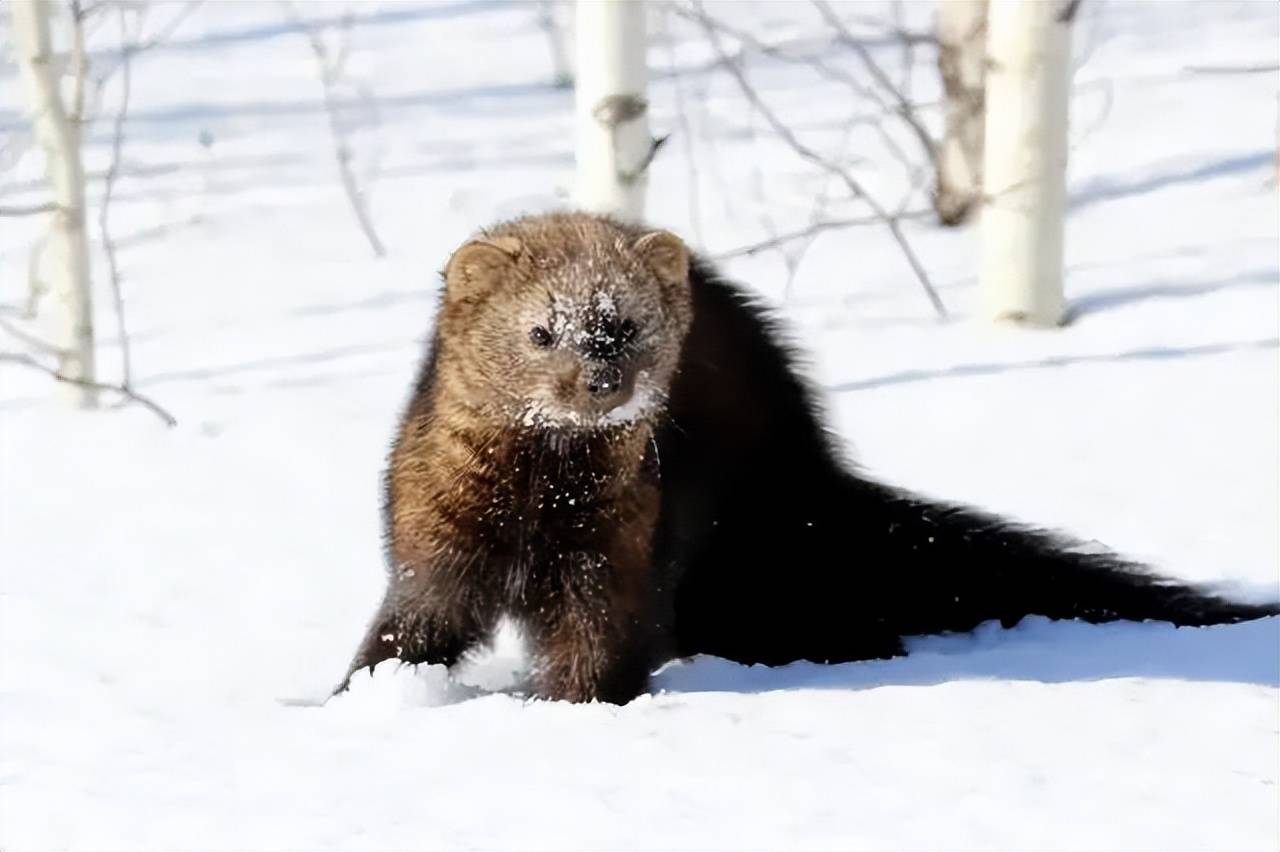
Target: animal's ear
{"points": [[666, 255], [476, 267]]}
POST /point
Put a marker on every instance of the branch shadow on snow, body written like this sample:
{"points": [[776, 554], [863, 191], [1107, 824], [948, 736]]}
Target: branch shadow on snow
{"points": [[285, 363], [509, 99], [1103, 300], [402, 13], [1110, 189], [1037, 650], [1159, 353]]}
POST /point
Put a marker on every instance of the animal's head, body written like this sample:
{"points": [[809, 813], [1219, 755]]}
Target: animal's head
{"points": [[567, 321]]}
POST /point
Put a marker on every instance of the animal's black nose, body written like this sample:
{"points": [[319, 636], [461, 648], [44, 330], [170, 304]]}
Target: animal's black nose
{"points": [[604, 380]]}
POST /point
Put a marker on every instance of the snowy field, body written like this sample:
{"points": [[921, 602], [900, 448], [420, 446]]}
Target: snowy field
{"points": [[173, 602]]}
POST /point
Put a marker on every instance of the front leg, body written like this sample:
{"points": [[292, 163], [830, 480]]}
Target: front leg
{"points": [[579, 663], [592, 634], [413, 626]]}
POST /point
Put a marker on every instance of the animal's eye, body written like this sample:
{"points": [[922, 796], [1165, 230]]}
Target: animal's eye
{"points": [[540, 336], [626, 331]]}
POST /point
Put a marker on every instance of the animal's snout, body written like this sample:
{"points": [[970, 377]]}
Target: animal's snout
{"points": [[604, 380]]}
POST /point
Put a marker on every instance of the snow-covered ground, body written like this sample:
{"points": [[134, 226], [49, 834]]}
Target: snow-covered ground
{"points": [[173, 602]]}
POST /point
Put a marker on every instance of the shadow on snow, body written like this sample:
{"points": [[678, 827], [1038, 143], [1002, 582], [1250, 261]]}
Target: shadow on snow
{"points": [[1037, 650], [1157, 353]]}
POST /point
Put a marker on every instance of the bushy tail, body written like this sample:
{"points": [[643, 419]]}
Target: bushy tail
{"points": [[843, 567], [958, 567]]}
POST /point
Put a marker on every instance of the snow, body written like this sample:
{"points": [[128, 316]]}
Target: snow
{"points": [[175, 604]]}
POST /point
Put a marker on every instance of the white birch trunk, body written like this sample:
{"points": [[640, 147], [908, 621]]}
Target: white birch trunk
{"points": [[1025, 162], [962, 55], [612, 129], [66, 256]]}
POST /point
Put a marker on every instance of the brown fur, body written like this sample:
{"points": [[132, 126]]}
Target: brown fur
{"points": [[507, 493]]}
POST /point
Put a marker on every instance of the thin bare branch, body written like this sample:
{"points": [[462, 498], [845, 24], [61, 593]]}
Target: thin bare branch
{"points": [[855, 188], [895, 30], [157, 38], [24, 360], [685, 127], [330, 65], [104, 210], [1104, 112], [563, 76], [903, 107], [794, 257], [908, 51], [917, 181], [763, 210], [161, 35], [815, 229], [630, 176], [1068, 12], [826, 71], [337, 61]]}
